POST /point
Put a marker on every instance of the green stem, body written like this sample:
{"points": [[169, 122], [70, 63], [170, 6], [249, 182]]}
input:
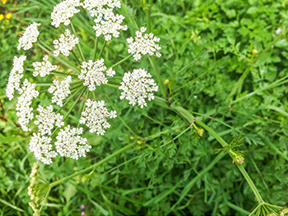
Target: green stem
{"points": [[103, 47], [95, 49], [71, 97], [83, 106], [237, 208], [121, 61], [251, 183], [190, 118], [76, 102], [79, 63], [152, 59], [148, 12], [157, 72], [62, 73], [44, 84], [78, 45], [94, 165], [43, 46], [111, 85]]}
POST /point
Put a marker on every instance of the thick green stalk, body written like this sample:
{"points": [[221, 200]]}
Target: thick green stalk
{"points": [[157, 72], [251, 183], [190, 118], [93, 166], [152, 58]]}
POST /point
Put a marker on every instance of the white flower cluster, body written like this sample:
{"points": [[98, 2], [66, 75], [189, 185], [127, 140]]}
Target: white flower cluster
{"points": [[108, 24], [70, 144], [137, 87], [66, 42], [143, 44], [93, 73], [30, 36], [43, 68], [96, 7], [61, 90], [63, 11], [42, 149], [95, 114], [46, 120], [15, 76], [23, 106]]}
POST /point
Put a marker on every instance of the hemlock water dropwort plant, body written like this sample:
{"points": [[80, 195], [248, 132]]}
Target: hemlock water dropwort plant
{"points": [[137, 87], [54, 135]]}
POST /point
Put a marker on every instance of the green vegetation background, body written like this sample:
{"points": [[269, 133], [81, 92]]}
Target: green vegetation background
{"points": [[206, 46]]}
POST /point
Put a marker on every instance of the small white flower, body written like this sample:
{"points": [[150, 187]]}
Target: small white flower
{"points": [[137, 86], [46, 120], [65, 44], [93, 73], [110, 72], [43, 68], [95, 115], [41, 148], [278, 31], [61, 90], [70, 144], [96, 7], [64, 11], [15, 76], [23, 106], [143, 44], [29, 37], [108, 24]]}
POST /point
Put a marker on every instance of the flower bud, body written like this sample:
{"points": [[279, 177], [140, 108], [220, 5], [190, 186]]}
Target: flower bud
{"points": [[255, 52], [200, 132], [283, 212], [238, 159]]}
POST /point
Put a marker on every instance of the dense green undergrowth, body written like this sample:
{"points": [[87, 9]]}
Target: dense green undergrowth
{"points": [[223, 61]]}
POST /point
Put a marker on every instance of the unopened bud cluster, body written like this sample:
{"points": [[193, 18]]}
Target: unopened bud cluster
{"points": [[32, 190], [283, 212]]}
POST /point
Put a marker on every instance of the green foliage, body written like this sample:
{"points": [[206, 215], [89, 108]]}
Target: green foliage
{"points": [[207, 47]]}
